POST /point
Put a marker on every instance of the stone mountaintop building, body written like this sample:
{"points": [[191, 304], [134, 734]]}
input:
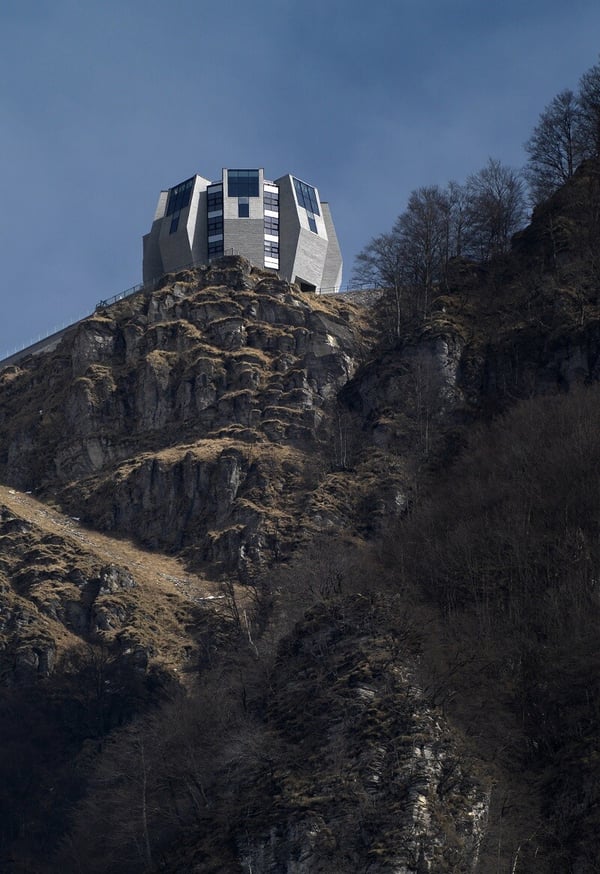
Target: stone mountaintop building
{"points": [[281, 225]]}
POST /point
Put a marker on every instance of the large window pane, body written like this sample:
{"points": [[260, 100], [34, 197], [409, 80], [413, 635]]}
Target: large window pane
{"points": [[180, 196], [242, 183], [307, 196]]}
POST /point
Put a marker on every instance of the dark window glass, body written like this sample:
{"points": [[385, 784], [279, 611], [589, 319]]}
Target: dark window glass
{"points": [[243, 207], [174, 222], [307, 196], [271, 249], [312, 224], [215, 248], [271, 201], [215, 225], [242, 183], [214, 200], [271, 225], [180, 196]]}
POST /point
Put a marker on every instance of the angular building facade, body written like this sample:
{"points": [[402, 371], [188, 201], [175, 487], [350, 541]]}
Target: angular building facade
{"points": [[281, 225]]}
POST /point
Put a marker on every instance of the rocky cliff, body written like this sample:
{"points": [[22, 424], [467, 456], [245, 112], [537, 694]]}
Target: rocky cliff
{"points": [[195, 418], [204, 420]]}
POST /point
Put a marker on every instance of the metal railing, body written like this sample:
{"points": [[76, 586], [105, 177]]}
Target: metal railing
{"points": [[43, 338], [347, 289], [135, 289], [151, 285]]}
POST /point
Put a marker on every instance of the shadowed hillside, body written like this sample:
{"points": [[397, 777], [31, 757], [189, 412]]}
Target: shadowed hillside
{"points": [[303, 594]]}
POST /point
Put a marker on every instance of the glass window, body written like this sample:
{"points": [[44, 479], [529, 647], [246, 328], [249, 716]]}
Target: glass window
{"points": [[180, 196], [174, 222], [271, 225], [312, 223], [243, 207], [307, 196], [215, 225], [271, 201], [271, 249], [215, 248], [242, 183], [214, 200]]}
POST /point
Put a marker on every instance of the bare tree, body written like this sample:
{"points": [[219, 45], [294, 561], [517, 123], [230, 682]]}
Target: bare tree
{"points": [[423, 231], [457, 221], [495, 208], [381, 264], [411, 259], [557, 145], [427, 386], [589, 104]]}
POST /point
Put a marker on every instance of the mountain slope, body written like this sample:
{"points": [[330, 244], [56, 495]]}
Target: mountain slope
{"points": [[194, 419], [93, 631], [399, 671]]}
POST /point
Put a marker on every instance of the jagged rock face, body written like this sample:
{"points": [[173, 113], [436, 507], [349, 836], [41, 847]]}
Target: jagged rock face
{"points": [[48, 594], [430, 367], [530, 363], [145, 396], [214, 501], [565, 227], [364, 773]]}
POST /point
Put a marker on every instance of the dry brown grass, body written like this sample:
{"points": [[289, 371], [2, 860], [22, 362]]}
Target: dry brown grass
{"points": [[158, 609]]}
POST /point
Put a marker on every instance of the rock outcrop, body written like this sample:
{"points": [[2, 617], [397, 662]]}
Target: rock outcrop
{"points": [[187, 418], [59, 598], [352, 767]]}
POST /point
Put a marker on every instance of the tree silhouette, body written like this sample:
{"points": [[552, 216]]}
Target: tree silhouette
{"points": [[557, 146]]}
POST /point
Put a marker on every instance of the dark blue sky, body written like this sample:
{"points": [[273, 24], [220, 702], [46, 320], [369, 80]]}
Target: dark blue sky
{"points": [[105, 103]]}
